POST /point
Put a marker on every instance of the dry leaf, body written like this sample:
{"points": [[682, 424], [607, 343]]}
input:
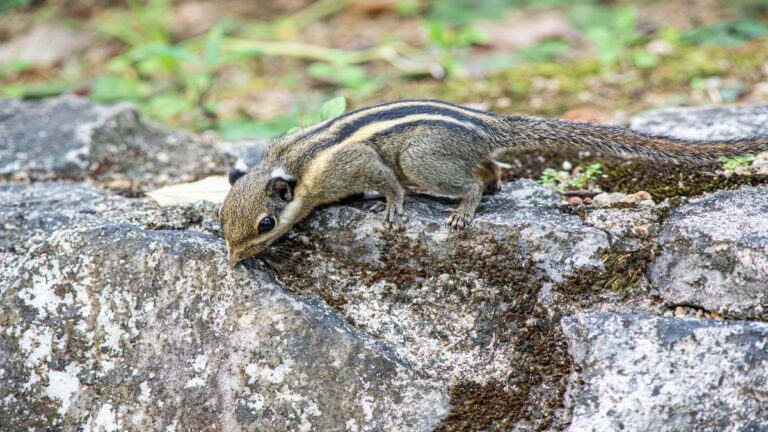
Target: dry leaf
{"points": [[520, 30], [213, 189], [582, 114], [44, 46], [372, 7]]}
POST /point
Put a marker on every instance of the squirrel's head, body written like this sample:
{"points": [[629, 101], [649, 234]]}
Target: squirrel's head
{"points": [[259, 209]]}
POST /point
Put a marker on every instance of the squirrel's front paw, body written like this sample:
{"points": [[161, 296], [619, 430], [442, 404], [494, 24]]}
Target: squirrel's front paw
{"points": [[458, 221], [396, 218]]}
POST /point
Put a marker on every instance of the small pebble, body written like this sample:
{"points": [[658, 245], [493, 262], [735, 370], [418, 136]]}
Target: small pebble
{"points": [[163, 157], [641, 231], [659, 47], [503, 102], [679, 311], [567, 166], [118, 184], [607, 199], [646, 203], [574, 201], [643, 196]]}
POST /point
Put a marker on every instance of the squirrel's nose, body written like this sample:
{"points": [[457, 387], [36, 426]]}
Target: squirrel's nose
{"points": [[232, 256]]}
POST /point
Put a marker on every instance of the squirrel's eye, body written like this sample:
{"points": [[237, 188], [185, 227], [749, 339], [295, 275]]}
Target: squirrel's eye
{"points": [[266, 224]]}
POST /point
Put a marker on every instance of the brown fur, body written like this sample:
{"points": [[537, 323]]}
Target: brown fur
{"points": [[431, 145]]}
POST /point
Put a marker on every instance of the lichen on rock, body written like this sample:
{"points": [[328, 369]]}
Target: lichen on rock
{"points": [[713, 254], [668, 374], [108, 323], [106, 143]]}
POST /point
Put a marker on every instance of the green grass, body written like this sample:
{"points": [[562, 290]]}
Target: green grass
{"points": [[563, 180], [734, 163]]}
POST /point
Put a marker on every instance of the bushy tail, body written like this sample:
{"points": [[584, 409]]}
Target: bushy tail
{"points": [[546, 133]]}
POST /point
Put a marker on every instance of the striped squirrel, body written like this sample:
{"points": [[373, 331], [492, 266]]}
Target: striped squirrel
{"points": [[433, 145]]}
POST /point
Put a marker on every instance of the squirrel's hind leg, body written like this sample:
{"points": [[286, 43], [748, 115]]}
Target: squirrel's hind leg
{"points": [[491, 175], [465, 212], [429, 165]]}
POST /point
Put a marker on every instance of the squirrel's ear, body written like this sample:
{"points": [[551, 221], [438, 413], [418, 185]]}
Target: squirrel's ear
{"points": [[239, 170], [234, 175], [281, 187]]}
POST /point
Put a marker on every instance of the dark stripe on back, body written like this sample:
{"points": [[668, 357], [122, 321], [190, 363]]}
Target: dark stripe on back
{"points": [[431, 122], [306, 158], [335, 120], [400, 112], [420, 109], [315, 141]]}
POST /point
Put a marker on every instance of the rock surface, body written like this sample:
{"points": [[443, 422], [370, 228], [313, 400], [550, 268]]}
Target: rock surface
{"points": [[247, 151], [668, 374], [391, 281], [714, 250], [714, 254], [147, 326], [113, 326], [70, 138], [464, 309], [117, 314], [706, 123]]}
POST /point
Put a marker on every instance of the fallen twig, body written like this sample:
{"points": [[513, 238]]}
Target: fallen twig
{"points": [[398, 54], [580, 193]]}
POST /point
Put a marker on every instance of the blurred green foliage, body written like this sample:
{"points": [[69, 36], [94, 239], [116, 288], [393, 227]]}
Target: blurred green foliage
{"points": [[183, 80], [614, 36], [164, 78], [450, 43], [728, 33], [6, 5], [305, 115]]}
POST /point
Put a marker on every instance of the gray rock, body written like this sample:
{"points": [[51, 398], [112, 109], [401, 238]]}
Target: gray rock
{"points": [[714, 253], [645, 373], [117, 314], [559, 244], [29, 211], [628, 229], [71, 138], [115, 307], [472, 307], [706, 123], [109, 325], [248, 151]]}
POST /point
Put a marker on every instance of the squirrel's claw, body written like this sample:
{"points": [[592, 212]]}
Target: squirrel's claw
{"points": [[376, 207], [458, 221], [396, 218]]}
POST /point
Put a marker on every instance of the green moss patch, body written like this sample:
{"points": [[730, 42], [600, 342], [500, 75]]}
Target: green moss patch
{"points": [[662, 181]]}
